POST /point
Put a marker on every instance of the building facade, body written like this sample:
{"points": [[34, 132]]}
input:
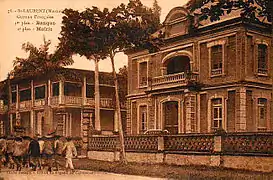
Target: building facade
{"points": [[62, 104], [219, 76]]}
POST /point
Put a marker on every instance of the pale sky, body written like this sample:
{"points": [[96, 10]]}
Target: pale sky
{"points": [[12, 39]]}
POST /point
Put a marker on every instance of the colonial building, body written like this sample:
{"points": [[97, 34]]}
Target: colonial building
{"points": [[217, 76], [61, 102]]}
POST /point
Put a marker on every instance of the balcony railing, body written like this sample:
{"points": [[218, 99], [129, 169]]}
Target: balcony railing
{"points": [[39, 102], [54, 101], [25, 105], [170, 80], [106, 103], [73, 100], [90, 102]]}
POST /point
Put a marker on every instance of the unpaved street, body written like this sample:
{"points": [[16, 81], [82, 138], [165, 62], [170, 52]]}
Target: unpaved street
{"points": [[78, 175]]}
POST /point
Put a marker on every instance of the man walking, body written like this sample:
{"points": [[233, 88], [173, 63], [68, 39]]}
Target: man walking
{"points": [[18, 153], [70, 152], [48, 152], [3, 147], [34, 152]]}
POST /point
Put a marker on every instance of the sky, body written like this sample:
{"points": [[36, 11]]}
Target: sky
{"points": [[12, 16]]}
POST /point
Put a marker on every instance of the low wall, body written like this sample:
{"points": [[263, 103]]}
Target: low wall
{"points": [[263, 164], [253, 163], [248, 151]]}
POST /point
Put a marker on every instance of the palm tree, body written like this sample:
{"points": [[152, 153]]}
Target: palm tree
{"points": [[39, 61]]}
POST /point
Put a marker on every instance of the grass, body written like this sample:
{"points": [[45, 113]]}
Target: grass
{"points": [[170, 171]]}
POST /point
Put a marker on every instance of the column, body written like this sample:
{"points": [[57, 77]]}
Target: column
{"points": [[84, 90], [61, 92], [17, 97], [11, 124], [241, 111], [198, 118], [163, 71], [49, 92], [31, 128], [116, 121]]}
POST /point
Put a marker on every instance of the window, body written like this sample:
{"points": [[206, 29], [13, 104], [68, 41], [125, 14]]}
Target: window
{"points": [[40, 92], [55, 88], [216, 59], [90, 91], [262, 59], [13, 94], [13, 97], [143, 118], [142, 74], [262, 102], [72, 89], [25, 95], [217, 113]]}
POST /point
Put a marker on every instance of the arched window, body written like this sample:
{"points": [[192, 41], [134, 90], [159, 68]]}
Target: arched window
{"points": [[178, 64]]}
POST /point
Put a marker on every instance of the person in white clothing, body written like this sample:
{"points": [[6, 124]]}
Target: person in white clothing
{"points": [[70, 152]]}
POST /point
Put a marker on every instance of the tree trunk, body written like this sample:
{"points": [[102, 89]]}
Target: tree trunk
{"points": [[9, 103], [270, 55], [121, 135], [97, 97]]}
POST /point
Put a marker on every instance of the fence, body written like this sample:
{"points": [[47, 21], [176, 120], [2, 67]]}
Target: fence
{"points": [[235, 143], [251, 151]]}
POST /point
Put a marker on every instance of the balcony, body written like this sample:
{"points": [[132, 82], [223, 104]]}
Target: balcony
{"points": [[172, 80], [39, 103], [25, 105]]}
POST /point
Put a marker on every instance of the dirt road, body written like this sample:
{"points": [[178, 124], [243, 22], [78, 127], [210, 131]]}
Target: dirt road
{"points": [[78, 175]]}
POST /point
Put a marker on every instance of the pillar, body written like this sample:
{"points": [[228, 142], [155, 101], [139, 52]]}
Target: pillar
{"points": [[84, 91], [61, 92], [116, 121], [49, 94], [32, 128], [241, 110], [17, 97]]}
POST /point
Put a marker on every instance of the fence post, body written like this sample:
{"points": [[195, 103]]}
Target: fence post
{"points": [[217, 143], [160, 145], [217, 159]]}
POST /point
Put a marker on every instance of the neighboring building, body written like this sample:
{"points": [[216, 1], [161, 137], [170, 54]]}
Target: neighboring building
{"points": [[61, 102], [219, 76]]}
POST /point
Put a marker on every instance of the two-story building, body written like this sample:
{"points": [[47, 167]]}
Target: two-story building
{"points": [[61, 102], [218, 76]]}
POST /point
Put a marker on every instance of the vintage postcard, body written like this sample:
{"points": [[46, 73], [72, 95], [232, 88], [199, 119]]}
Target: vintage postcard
{"points": [[136, 89]]}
